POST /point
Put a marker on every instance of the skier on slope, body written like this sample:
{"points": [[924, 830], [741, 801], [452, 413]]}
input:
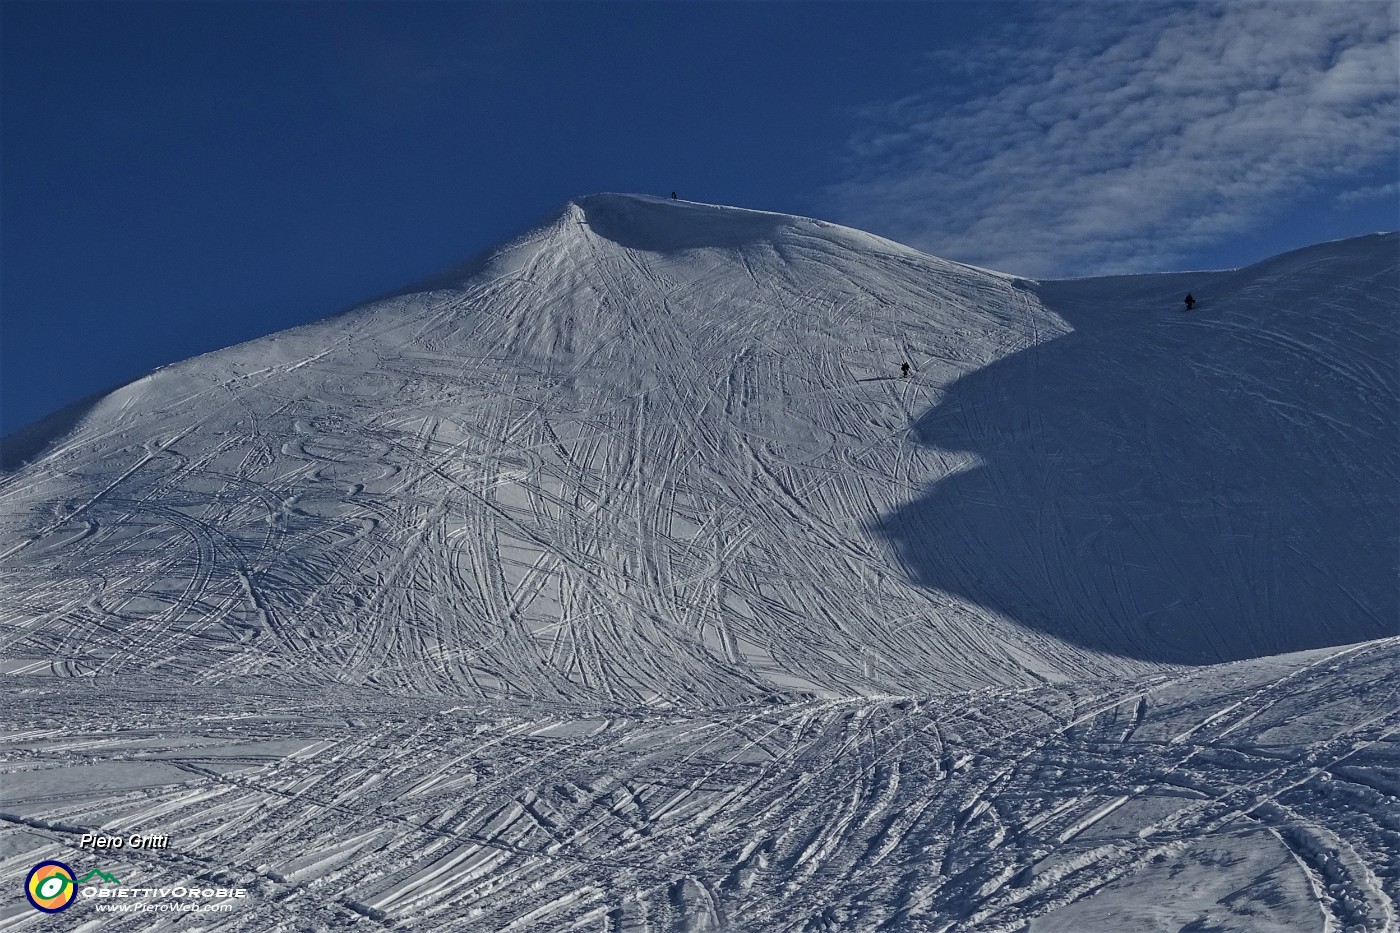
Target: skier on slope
{"points": [[904, 368], [1190, 301]]}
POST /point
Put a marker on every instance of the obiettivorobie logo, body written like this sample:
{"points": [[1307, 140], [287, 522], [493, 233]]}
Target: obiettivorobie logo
{"points": [[51, 887]]}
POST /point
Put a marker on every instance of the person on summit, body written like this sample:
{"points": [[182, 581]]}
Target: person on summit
{"points": [[904, 368], [1190, 301], [673, 195]]}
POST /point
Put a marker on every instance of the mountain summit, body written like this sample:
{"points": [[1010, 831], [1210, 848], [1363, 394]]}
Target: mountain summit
{"points": [[624, 578], [663, 450], [633, 454]]}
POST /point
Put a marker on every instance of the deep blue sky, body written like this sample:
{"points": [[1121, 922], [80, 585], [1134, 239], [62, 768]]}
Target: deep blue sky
{"points": [[178, 177]]}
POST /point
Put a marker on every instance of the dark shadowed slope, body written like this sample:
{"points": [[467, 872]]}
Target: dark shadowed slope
{"points": [[1184, 488]]}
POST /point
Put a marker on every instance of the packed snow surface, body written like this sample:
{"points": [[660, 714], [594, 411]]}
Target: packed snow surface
{"points": [[618, 581]]}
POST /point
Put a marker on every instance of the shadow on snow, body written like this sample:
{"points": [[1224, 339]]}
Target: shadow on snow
{"points": [[1183, 489]]}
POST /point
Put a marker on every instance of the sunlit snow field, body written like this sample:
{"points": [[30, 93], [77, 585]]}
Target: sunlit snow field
{"points": [[617, 581]]}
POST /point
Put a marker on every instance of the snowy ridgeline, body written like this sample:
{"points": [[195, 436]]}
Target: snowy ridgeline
{"points": [[618, 580]]}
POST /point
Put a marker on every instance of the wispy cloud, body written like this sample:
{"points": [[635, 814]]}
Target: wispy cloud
{"points": [[1107, 137], [1389, 192]]}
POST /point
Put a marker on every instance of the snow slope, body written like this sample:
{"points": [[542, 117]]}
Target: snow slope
{"points": [[615, 580], [1184, 488]]}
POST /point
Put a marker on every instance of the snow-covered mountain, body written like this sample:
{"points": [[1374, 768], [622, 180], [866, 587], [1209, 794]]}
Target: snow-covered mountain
{"points": [[619, 580]]}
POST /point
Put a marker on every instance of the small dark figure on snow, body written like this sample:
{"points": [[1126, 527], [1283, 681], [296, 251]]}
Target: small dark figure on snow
{"points": [[673, 195], [904, 368], [1190, 301]]}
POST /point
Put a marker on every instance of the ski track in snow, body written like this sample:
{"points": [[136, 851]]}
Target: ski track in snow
{"points": [[982, 811], [557, 600]]}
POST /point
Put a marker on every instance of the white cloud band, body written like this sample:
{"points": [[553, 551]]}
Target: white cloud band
{"points": [[1100, 138]]}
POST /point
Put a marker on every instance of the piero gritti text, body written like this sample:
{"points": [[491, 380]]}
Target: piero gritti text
{"points": [[134, 841]]}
